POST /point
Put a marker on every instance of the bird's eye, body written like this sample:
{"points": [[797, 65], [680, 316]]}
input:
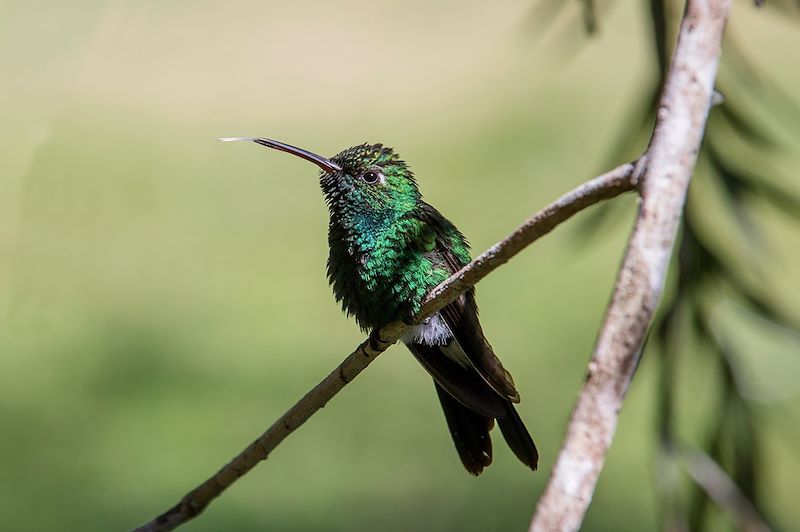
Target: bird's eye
{"points": [[371, 177]]}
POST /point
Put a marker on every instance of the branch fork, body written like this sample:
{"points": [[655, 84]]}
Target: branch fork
{"points": [[662, 179]]}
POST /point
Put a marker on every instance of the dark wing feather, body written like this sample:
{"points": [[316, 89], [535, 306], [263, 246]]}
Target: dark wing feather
{"points": [[462, 314], [462, 317], [463, 384], [472, 395]]}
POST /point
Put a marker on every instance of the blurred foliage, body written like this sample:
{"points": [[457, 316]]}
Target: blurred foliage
{"points": [[163, 296], [735, 164]]}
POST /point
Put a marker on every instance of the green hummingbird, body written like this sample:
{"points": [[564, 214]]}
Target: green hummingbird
{"points": [[388, 249]]}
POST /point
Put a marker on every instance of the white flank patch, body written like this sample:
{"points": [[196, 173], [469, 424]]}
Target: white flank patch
{"points": [[434, 331]]}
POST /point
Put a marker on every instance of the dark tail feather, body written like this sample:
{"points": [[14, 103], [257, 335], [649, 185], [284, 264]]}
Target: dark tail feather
{"points": [[518, 438], [470, 433]]}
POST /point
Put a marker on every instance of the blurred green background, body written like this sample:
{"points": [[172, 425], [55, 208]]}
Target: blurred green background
{"points": [[163, 296]]}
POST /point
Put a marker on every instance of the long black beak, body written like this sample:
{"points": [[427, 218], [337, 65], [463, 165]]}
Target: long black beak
{"points": [[322, 162]]}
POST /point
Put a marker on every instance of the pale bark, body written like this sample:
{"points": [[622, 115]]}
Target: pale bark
{"points": [[671, 158]]}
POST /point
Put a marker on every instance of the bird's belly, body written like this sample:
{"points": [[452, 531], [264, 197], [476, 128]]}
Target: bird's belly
{"points": [[434, 331]]}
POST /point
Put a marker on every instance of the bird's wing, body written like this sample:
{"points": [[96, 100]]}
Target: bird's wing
{"points": [[463, 383], [462, 314], [462, 317]]}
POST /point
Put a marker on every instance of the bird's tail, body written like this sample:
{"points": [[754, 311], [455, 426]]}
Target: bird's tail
{"points": [[470, 432], [518, 437]]}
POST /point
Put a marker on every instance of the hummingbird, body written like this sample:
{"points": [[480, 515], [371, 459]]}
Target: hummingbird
{"points": [[388, 249]]}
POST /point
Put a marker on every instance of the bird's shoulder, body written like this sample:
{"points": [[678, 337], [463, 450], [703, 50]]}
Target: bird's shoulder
{"points": [[441, 237]]}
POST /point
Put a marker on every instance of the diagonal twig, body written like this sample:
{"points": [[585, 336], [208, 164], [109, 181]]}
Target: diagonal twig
{"points": [[712, 479], [613, 183]]}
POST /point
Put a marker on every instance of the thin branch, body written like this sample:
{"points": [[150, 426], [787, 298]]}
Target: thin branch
{"points": [[671, 157], [707, 474], [606, 186]]}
